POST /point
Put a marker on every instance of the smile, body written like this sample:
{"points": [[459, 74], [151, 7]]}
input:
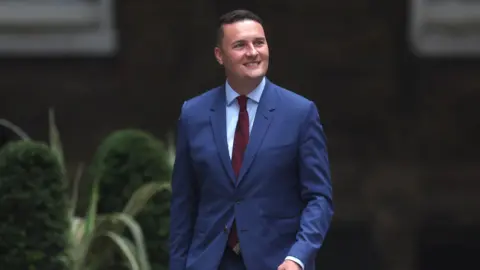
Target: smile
{"points": [[252, 64]]}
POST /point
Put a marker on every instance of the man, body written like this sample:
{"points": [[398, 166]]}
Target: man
{"points": [[251, 183]]}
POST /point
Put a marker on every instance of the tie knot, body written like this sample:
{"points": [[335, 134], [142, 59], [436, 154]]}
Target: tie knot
{"points": [[242, 102]]}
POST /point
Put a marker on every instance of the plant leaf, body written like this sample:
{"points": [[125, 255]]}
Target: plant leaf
{"points": [[125, 248], [92, 208], [17, 130], [75, 188], [106, 226], [137, 234], [142, 195], [54, 137]]}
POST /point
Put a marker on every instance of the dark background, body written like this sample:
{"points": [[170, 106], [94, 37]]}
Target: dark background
{"points": [[402, 130]]}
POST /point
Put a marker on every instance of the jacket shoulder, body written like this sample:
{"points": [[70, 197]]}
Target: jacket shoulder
{"points": [[201, 102], [293, 100]]}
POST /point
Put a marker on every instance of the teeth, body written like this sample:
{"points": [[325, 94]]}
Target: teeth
{"points": [[252, 64]]}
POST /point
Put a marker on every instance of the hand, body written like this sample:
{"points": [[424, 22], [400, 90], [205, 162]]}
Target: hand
{"points": [[289, 265]]}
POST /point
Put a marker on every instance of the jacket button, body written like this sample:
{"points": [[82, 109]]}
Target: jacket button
{"points": [[225, 229]]}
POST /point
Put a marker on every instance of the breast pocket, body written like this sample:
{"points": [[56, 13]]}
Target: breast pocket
{"points": [[278, 155]]}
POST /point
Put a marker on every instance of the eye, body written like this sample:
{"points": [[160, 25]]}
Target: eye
{"points": [[238, 45], [259, 42]]}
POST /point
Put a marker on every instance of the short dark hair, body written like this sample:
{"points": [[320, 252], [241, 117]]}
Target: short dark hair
{"points": [[233, 17]]}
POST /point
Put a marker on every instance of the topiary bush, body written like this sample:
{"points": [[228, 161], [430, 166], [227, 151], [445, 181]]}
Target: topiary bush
{"points": [[124, 161], [33, 208]]}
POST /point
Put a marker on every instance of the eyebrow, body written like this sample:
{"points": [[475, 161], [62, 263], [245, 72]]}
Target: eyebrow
{"points": [[243, 40]]}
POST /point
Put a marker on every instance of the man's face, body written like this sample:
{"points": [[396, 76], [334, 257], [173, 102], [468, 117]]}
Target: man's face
{"points": [[244, 50]]}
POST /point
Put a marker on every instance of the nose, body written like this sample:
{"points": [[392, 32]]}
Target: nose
{"points": [[251, 50]]}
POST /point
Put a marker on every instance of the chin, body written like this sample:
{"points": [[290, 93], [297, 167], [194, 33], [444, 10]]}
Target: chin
{"points": [[255, 75]]}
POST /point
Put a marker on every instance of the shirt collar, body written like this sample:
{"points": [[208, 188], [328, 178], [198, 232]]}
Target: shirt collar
{"points": [[254, 95]]}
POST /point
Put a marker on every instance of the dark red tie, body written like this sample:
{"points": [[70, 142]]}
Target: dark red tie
{"points": [[240, 141]]}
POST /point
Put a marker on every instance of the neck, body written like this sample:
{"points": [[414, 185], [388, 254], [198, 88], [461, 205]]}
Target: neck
{"points": [[244, 87]]}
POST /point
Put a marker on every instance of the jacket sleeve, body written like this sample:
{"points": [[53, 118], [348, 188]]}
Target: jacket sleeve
{"points": [[183, 208], [316, 188]]}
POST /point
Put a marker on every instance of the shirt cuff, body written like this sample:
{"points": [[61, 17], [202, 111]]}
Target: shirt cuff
{"points": [[295, 260]]}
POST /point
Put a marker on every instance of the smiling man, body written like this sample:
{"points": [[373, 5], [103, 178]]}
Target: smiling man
{"points": [[251, 182]]}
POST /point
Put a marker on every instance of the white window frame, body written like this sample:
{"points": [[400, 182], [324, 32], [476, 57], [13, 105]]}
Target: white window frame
{"points": [[449, 18], [57, 28]]}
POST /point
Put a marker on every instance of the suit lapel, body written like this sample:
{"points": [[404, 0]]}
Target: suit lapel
{"points": [[263, 118], [218, 123]]}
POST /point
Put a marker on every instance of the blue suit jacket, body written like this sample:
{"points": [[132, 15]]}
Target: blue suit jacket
{"points": [[282, 199]]}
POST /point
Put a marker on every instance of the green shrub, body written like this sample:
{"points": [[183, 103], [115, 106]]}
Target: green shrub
{"points": [[125, 161], [34, 219]]}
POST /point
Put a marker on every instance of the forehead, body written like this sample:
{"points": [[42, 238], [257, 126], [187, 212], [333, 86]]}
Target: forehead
{"points": [[246, 29]]}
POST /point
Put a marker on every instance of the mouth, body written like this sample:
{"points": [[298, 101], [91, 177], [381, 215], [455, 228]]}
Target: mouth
{"points": [[252, 64]]}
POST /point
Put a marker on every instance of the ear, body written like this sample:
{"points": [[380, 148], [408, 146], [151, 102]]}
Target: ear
{"points": [[218, 55]]}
